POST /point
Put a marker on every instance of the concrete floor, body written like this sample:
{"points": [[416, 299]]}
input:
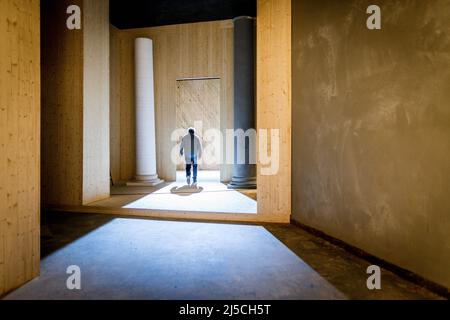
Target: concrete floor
{"points": [[209, 195], [148, 259]]}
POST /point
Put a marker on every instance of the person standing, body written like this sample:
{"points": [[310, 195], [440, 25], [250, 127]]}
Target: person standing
{"points": [[191, 148]]}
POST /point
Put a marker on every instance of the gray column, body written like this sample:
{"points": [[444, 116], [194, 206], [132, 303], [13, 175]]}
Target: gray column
{"points": [[244, 175]]}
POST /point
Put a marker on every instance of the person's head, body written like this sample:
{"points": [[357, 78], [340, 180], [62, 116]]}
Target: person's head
{"points": [[191, 131]]}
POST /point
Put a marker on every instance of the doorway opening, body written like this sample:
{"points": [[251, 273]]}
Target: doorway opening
{"points": [[198, 107]]}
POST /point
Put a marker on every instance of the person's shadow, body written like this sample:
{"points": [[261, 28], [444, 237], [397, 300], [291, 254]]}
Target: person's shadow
{"points": [[186, 190]]}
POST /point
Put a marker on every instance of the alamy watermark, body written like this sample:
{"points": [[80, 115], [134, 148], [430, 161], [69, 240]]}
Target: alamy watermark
{"points": [[73, 282], [374, 20], [73, 22], [234, 146], [374, 280]]}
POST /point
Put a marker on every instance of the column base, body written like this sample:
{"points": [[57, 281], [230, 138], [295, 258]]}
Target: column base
{"points": [[145, 181], [242, 183]]}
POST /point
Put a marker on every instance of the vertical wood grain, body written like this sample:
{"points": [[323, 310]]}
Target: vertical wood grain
{"points": [[75, 103], [96, 160], [180, 51], [114, 94], [62, 106], [19, 142], [199, 100], [274, 101]]}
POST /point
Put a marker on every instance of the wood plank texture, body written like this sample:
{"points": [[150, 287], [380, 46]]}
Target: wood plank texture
{"points": [[62, 106], [19, 142], [96, 164], [199, 101], [75, 104], [274, 101], [180, 51]]}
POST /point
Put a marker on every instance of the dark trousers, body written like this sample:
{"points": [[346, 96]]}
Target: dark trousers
{"points": [[188, 169]]}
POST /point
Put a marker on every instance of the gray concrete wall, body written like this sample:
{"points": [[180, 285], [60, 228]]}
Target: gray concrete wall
{"points": [[371, 128]]}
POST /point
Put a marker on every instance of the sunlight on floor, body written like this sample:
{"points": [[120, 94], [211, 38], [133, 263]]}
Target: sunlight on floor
{"points": [[178, 260], [209, 195]]}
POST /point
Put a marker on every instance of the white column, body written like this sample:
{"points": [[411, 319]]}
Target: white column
{"points": [[146, 174]]}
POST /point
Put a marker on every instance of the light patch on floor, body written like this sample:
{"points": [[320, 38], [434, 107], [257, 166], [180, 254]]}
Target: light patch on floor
{"points": [[209, 195], [144, 259]]}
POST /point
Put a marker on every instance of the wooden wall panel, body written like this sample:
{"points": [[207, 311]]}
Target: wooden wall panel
{"points": [[122, 113], [75, 104], [96, 164], [127, 113], [180, 51], [199, 100], [274, 101], [62, 106], [114, 106], [19, 142]]}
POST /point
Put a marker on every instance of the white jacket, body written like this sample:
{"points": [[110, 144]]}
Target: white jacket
{"points": [[185, 147]]}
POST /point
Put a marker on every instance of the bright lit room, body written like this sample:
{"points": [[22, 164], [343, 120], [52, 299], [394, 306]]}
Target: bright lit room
{"points": [[165, 80]]}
